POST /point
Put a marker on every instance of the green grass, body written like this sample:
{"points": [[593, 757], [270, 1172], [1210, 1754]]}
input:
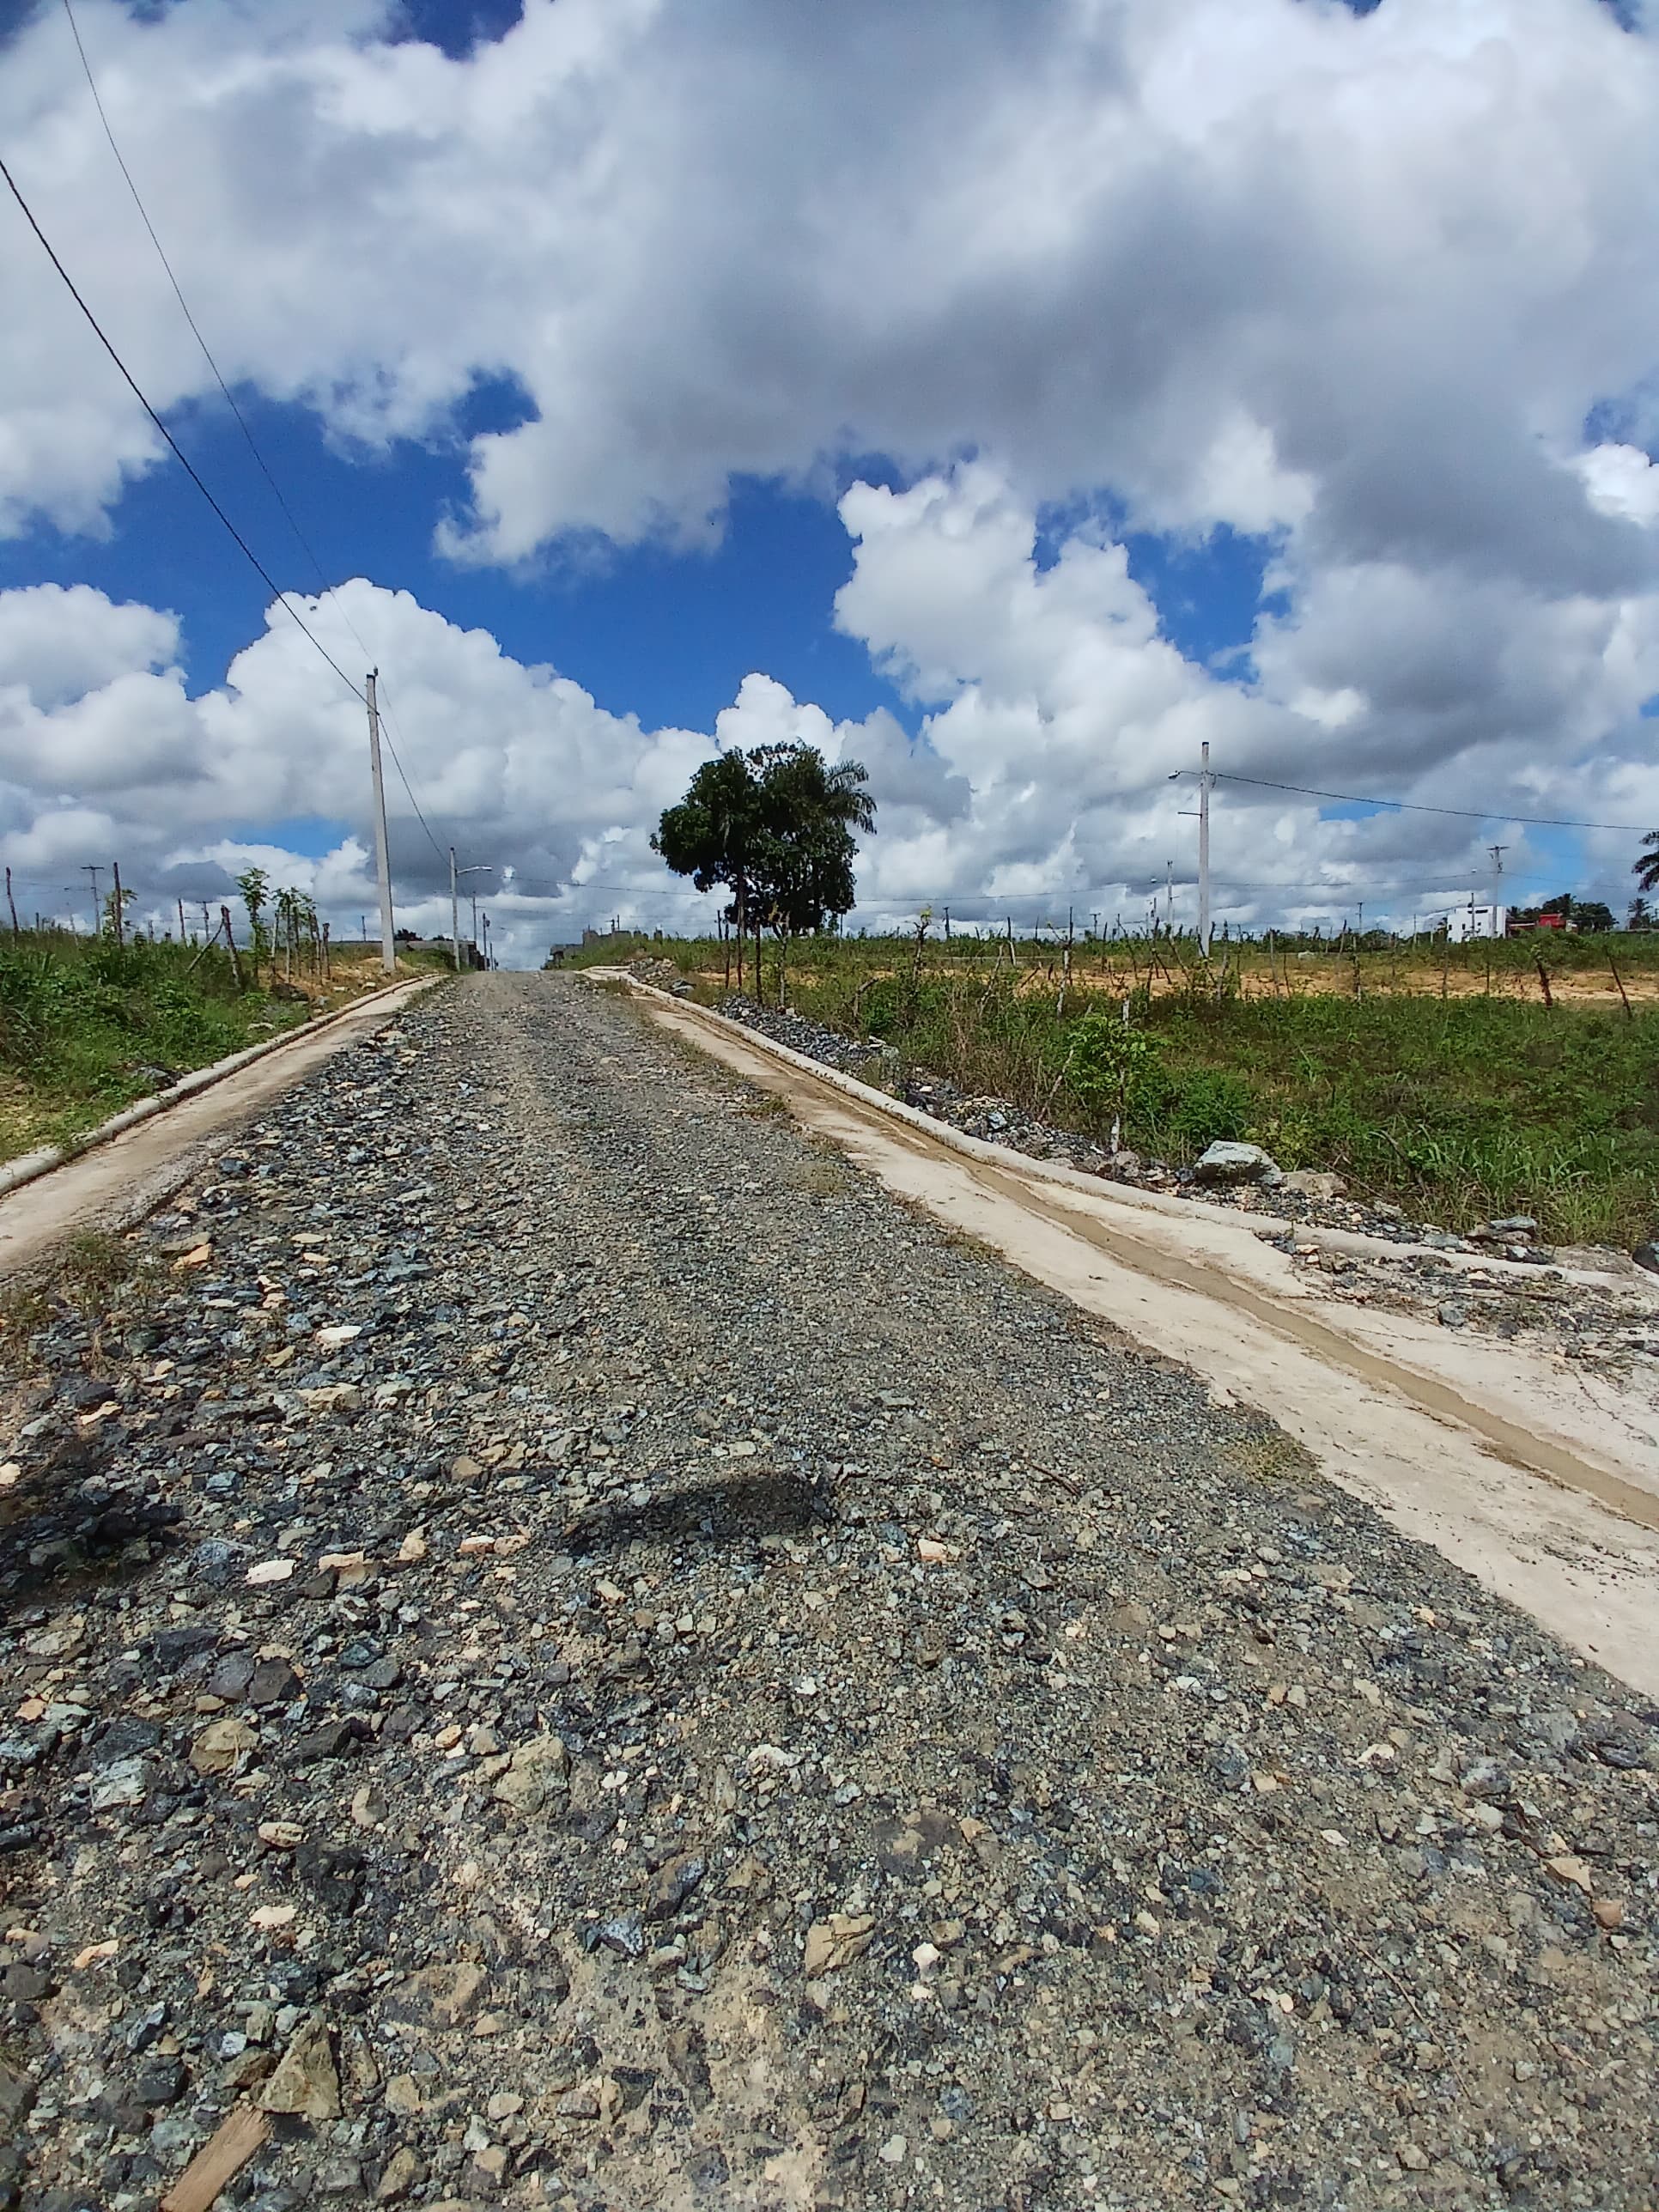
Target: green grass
{"points": [[85, 1023], [1456, 1108]]}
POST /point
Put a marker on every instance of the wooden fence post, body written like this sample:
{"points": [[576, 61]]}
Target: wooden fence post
{"points": [[235, 963]]}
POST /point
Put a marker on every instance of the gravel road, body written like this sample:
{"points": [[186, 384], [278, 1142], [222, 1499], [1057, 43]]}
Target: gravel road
{"points": [[568, 1651]]}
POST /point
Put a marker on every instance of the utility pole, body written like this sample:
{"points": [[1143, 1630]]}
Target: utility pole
{"points": [[120, 925], [91, 868], [486, 941], [181, 921], [382, 855], [1204, 852], [1498, 853], [474, 896]]}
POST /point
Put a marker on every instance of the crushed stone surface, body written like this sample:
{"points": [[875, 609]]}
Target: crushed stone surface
{"points": [[572, 1652]]}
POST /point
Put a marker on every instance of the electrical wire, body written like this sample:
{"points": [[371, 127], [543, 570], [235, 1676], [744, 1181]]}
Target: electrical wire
{"points": [[1414, 806], [195, 328], [328, 589], [380, 699], [182, 459]]}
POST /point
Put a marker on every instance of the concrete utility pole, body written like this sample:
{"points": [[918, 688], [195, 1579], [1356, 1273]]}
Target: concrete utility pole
{"points": [[382, 855], [1204, 852], [120, 925], [91, 868]]}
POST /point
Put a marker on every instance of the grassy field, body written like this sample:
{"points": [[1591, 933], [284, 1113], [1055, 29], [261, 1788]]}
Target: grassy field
{"points": [[1403, 1067], [87, 1025]]}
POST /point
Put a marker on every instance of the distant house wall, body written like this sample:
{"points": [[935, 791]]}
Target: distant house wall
{"points": [[1464, 922]]}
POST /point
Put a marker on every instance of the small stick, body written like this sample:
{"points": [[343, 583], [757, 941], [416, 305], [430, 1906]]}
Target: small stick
{"points": [[1543, 977], [219, 2161], [1619, 981]]}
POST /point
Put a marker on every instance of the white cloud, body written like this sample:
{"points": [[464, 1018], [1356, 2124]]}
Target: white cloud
{"points": [[1058, 716], [58, 641], [1258, 261], [1354, 284], [517, 764]]}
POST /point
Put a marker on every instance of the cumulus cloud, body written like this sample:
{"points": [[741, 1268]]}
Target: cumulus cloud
{"points": [[518, 764], [1357, 284], [1062, 708], [1052, 767], [1259, 261]]}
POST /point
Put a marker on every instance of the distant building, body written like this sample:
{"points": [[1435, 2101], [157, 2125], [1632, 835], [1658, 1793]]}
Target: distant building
{"points": [[470, 956], [1464, 922]]}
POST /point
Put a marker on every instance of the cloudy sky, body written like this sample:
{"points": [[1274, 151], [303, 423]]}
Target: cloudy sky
{"points": [[1012, 396]]}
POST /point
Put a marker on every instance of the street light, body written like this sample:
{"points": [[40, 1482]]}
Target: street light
{"points": [[479, 868]]}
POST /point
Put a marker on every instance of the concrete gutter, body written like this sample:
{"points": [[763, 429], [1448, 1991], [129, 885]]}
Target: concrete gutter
{"points": [[33, 1165], [1355, 1242]]}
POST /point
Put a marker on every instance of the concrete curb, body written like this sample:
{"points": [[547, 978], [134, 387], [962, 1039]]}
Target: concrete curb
{"points": [[33, 1165], [1264, 1226]]}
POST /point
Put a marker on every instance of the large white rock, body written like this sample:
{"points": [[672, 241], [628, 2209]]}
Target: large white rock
{"points": [[1223, 1162]]}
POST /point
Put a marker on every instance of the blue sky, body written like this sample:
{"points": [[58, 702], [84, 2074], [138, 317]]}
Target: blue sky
{"points": [[822, 420]]}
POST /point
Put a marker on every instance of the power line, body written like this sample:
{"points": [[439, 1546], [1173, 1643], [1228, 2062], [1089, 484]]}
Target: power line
{"points": [[303, 542], [403, 777], [253, 559], [178, 293], [1414, 807]]}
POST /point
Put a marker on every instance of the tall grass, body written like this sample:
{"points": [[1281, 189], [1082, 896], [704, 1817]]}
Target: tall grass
{"points": [[1456, 1108], [87, 1025]]}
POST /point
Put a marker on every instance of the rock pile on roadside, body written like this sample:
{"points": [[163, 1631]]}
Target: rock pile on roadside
{"points": [[567, 1652]]}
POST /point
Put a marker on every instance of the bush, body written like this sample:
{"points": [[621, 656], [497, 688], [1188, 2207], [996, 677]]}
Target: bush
{"points": [[1111, 1066]]}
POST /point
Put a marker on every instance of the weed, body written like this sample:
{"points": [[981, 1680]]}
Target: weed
{"points": [[820, 1177], [1459, 1108], [87, 1025], [1269, 1455], [102, 1279]]}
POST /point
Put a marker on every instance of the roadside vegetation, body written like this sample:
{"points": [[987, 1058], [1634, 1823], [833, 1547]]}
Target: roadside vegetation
{"points": [[1455, 1081], [88, 1024]]}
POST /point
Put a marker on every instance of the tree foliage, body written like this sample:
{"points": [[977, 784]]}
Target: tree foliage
{"points": [[775, 827]]}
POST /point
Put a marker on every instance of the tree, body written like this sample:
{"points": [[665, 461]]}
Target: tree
{"points": [[774, 827], [1645, 866], [116, 911], [253, 883], [1640, 915], [711, 835], [1586, 915], [804, 854]]}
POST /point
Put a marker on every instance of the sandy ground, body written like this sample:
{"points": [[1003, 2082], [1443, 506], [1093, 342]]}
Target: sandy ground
{"points": [[1543, 1486], [119, 1182]]}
